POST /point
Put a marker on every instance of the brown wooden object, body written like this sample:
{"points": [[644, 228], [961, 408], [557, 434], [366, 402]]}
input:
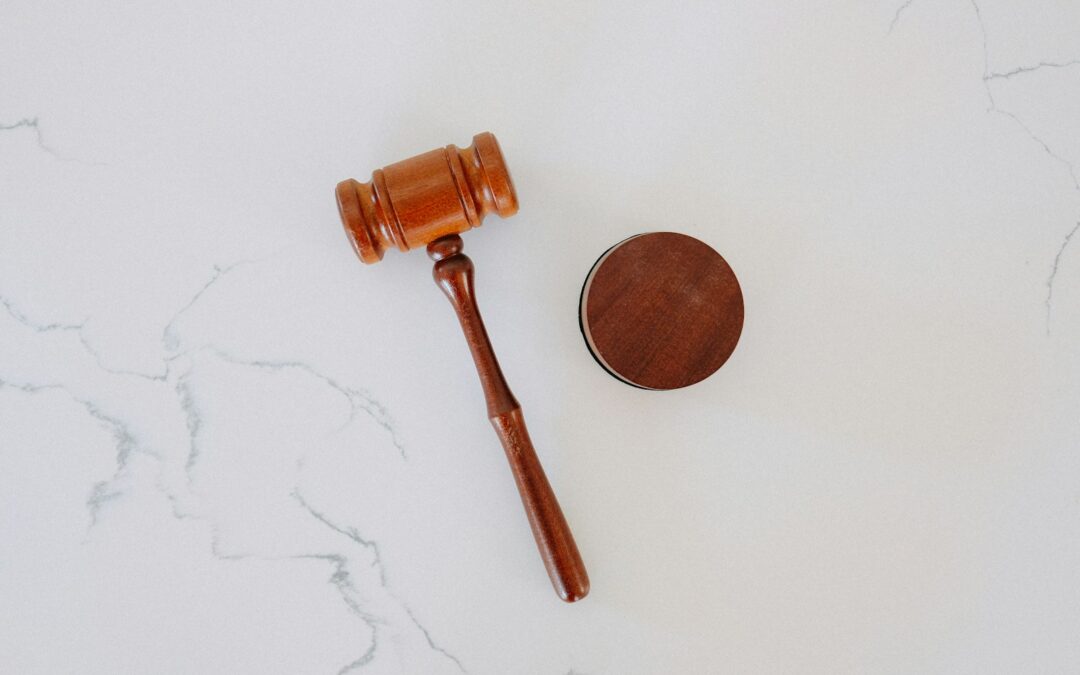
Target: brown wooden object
{"points": [[661, 310], [428, 200], [418, 200]]}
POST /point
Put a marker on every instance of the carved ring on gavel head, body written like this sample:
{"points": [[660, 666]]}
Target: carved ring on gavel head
{"points": [[428, 200]]}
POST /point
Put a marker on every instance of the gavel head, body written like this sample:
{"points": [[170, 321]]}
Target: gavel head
{"points": [[423, 198]]}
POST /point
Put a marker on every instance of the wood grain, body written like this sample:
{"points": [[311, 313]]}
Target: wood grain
{"points": [[661, 310]]}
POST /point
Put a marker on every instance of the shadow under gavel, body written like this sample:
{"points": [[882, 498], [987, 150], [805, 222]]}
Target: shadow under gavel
{"points": [[428, 200]]}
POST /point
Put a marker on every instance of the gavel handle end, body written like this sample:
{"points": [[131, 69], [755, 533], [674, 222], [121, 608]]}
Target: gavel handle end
{"points": [[553, 537]]}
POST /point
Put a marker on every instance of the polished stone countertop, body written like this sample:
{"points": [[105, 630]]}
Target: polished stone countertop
{"points": [[228, 447]]}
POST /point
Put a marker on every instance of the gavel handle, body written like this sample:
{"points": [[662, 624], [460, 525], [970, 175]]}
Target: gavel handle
{"points": [[454, 274]]}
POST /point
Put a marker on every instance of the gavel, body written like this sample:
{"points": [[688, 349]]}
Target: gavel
{"points": [[427, 200]]}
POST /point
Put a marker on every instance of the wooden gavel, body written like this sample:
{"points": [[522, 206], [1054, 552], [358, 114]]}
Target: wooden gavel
{"points": [[428, 200]]}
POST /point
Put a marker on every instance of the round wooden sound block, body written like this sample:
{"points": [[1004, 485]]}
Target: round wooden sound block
{"points": [[661, 310]]}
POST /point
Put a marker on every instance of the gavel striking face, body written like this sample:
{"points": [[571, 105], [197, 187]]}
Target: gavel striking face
{"points": [[428, 200]]}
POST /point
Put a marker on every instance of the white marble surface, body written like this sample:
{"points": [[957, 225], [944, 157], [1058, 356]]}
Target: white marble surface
{"points": [[226, 447]]}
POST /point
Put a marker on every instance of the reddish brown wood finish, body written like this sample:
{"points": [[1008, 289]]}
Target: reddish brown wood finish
{"points": [[423, 198], [661, 310], [454, 274], [428, 200]]}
